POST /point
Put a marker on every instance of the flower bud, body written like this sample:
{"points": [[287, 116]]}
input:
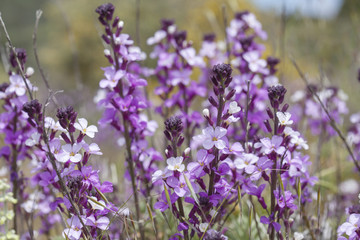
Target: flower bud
{"points": [[267, 125], [206, 112], [187, 151], [180, 141], [285, 107], [213, 101], [230, 94], [269, 112], [107, 52], [29, 71]]}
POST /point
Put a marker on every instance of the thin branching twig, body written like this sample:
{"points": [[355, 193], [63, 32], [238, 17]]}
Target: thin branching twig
{"points": [[13, 49], [332, 121]]}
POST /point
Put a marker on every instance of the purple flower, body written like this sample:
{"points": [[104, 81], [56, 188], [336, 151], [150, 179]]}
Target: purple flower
{"points": [[74, 231], [175, 164], [274, 145], [112, 77], [214, 137], [101, 223], [350, 227]]}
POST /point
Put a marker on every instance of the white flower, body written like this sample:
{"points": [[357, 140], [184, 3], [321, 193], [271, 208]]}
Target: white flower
{"points": [[121, 141], [96, 204], [159, 174], [17, 85], [203, 227], [298, 236], [70, 153], [206, 112], [245, 161], [255, 64], [297, 96], [284, 118], [234, 108], [299, 141], [55, 126], [213, 137], [189, 55], [175, 164], [85, 129], [100, 95], [29, 71], [35, 137], [159, 35], [94, 149]]}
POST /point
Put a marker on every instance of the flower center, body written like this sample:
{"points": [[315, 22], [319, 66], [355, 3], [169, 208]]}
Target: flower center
{"points": [[214, 139], [72, 154]]}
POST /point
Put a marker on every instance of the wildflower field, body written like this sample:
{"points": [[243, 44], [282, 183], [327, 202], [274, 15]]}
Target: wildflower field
{"points": [[181, 139]]}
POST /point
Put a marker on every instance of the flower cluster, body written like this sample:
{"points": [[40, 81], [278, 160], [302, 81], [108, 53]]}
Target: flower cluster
{"points": [[6, 214], [333, 98], [176, 59]]}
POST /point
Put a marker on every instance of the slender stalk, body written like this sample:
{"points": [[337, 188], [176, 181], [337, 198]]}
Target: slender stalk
{"points": [[215, 162], [129, 158], [179, 200], [332, 121], [17, 59], [45, 80], [273, 177]]}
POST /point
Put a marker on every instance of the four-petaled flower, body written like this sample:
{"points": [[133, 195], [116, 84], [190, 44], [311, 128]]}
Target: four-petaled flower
{"points": [[85, 129], [284, 118], [175, 164], [70, 153], [214, 137]]}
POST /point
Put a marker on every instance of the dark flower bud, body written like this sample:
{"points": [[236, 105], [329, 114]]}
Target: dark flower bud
{"points": [[3, 87], [358, 77], [65, 138], [21, 55], [213, 101], [216, 90], [108, 31], [285, 107], [227, 82], [180, 141], [174, 125], [222, 71], [246, 42], [230, 94], [311, 88], [276, 95], [105, 11], [167, 135], [105, 38], [209, 37], [272, 61], [269, 113], [281, 129], [267, 125], [226, 116], [354, 209], [239, 15], [165, 23], [116, 21], [66, 116], [32, 108], [223, 157], [214, 81], [180, 37]]}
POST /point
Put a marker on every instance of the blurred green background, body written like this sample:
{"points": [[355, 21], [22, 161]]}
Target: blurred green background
{"points": [[71, 51]]}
